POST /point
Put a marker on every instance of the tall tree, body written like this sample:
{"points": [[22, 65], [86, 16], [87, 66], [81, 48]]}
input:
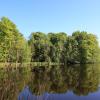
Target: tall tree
{"points": [[12, 43], [39, 47]]}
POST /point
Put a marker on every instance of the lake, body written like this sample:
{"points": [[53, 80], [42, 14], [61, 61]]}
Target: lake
{"points": [[78, 82]]}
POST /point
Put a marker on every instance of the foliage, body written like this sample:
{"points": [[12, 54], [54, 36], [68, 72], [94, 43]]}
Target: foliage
{"points": [[12, 43], [81, 47]]}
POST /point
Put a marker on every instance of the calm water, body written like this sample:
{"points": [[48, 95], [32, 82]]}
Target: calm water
{"points": [[55, 83]]}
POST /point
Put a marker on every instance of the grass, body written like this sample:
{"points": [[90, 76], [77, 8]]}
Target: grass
{"points": [[27, 64]]}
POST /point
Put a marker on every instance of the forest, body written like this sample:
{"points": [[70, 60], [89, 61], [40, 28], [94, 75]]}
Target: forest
{"points": [[81, 47]]}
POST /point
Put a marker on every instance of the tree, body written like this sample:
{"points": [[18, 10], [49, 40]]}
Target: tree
{"points": [[12, 42], [71, 51], [87, 47], [39, 47], [81, 47], [57, 41]]}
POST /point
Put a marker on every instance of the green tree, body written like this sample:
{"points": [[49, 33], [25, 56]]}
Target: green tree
{"points": [[12, 43], [87, 47], [57, 41], [39, 47]]}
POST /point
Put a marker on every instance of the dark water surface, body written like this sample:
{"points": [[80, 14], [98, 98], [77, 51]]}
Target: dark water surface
{"points": [[79, 82]]}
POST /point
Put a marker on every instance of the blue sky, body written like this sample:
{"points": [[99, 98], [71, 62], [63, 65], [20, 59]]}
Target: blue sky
{"points": [[53, 15]]}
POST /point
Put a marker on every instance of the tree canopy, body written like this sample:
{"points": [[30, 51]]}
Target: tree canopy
{"points": [[81, 47], [12, 43]]}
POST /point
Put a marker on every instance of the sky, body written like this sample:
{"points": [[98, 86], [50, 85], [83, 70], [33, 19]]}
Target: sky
{"points": [[53, 15]]}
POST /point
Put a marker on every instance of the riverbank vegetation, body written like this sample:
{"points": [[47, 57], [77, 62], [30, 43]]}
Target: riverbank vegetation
{"points": [[81, 47]]}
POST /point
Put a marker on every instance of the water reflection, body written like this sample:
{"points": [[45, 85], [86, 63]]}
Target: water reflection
{"points": [[55, 83]]}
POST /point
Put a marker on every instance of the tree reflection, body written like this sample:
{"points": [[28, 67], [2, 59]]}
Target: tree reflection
{"points": [[81, 79], [88, 80], [12, 83]]}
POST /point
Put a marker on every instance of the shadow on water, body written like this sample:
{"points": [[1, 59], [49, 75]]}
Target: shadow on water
{"points": [[54, 83]]}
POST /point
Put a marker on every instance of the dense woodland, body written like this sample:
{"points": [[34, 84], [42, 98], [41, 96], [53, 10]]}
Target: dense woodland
{"points": [[81, 47]]}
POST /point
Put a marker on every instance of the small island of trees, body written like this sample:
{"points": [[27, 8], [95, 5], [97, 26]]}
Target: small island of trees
{"points": [[81, 47]]}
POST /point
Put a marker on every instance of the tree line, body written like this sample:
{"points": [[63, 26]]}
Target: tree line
{"points": [[80, 47]]}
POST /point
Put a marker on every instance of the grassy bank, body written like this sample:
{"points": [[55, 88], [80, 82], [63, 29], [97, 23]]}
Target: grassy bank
{"points": [[28, 64]]}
